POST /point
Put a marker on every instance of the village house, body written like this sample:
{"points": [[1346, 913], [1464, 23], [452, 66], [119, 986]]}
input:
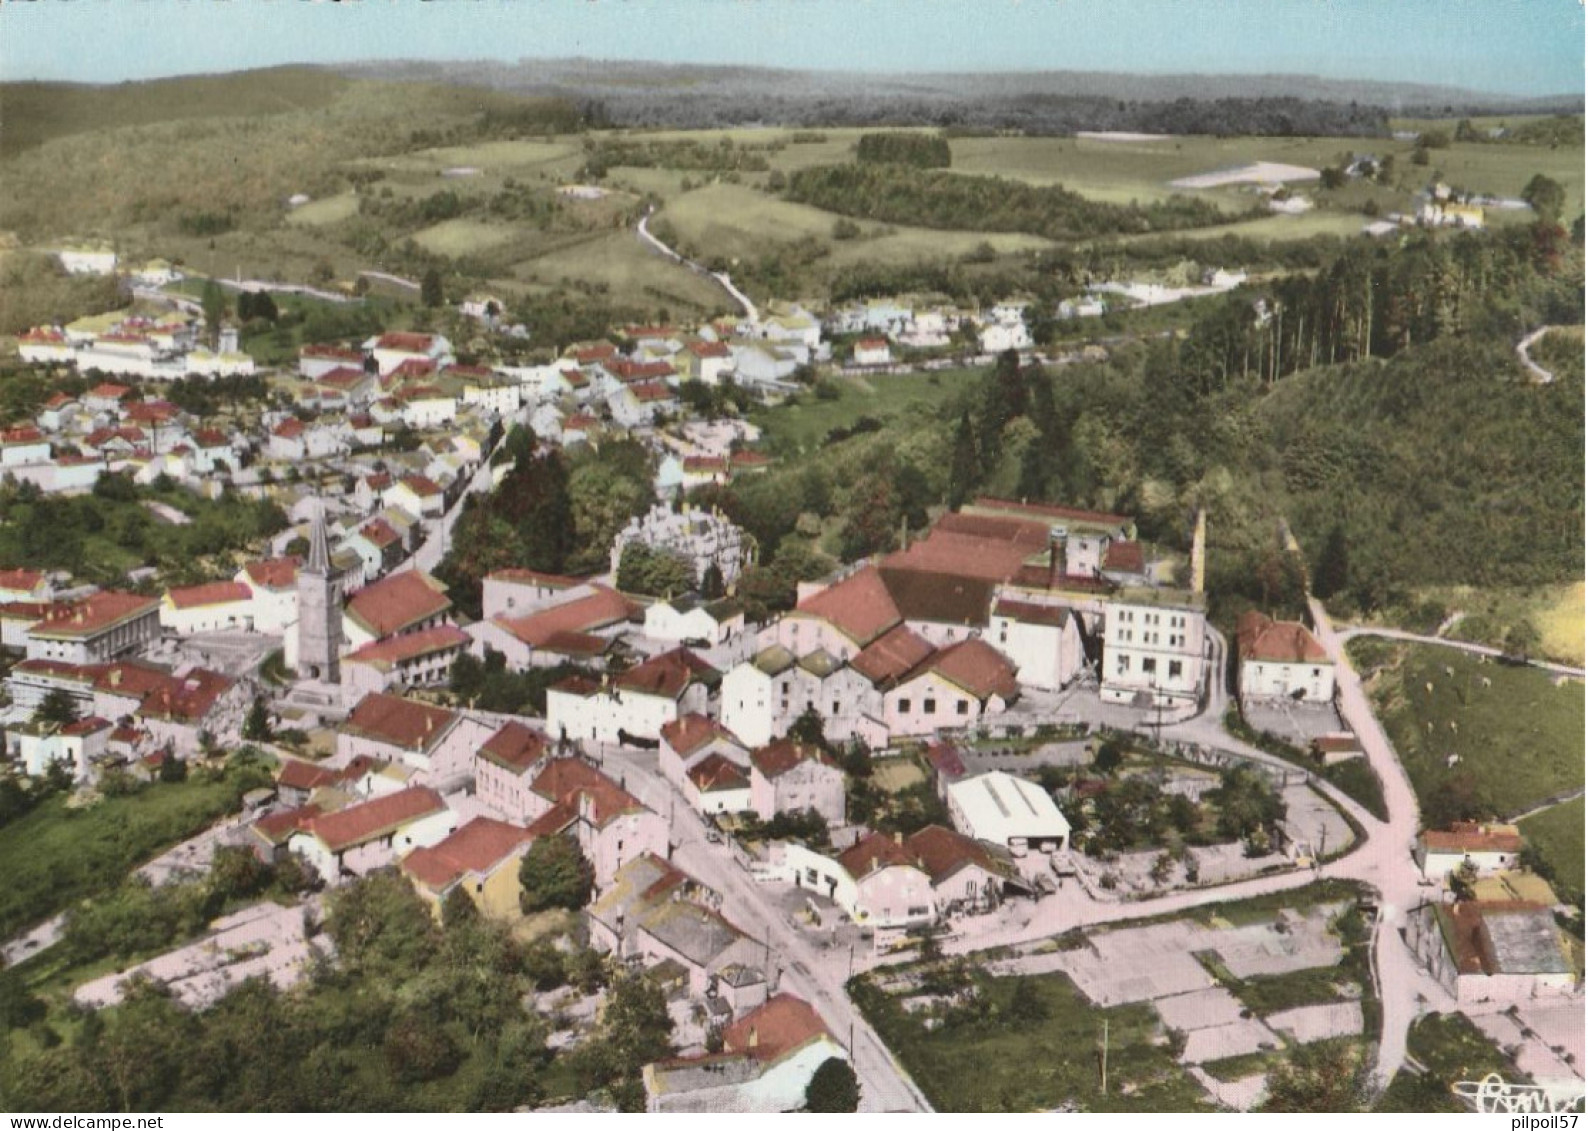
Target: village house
{"points": [[505, 769], [78, 745], [273, 582], [419, 495], [215, 607], [439, 743], [1486, 848], [392, 350], [792, 777], [24, 585], [610, 825], [98, 628], [1502, 951], [872, 351], [707, 362], [23, 445], [1282, 660], [363, 837], [763, 696], [706, 763], [523, 590], [411, 601], [191, 705], [318, 359], [1153, 648], [767, 1061], [690, 620], [481, 859], [399, 663], [634, 705], [1046, 643], [581, 627]]}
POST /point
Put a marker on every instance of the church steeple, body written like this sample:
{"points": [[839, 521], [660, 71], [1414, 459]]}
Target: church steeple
{"points": [[319, 608], [319, 546]]}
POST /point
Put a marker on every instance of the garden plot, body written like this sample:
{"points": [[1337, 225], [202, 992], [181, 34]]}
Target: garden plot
{"points": [[1138, 965], [1319, 1022], [1312, 821], [1220, 1042], [1264, 949], [1257, 173], [1199, 1009]]}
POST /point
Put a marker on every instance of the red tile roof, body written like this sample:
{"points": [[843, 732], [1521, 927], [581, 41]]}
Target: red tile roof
{"points": [[215, 593], [567, 780], [891, 656], [91, 725], [1467, 837], [332, 352], [399, 342], [289, 429], [871, 853], [947, 552], [398, 602], [399, 722], [1027, 612], [379, 533], [277, 827], [710, 349], [974, 665], [26, 434], [477, 848], [380, 817], [689, 733], [393, 650], [274, 573], [858, 606], [778, 758], [515, 747], [941, 852], [650, 391], [746, 458], [109, 392], [22, 580], [298, 774], [94, 615], [705, 463], [667, 675], [1127, 557], [1277, 642], [188, 698], [211, 438], [422, 485], [715, 773], [342, 377], [945, 760], [599, 609], [631, 371], [782, 1025]]}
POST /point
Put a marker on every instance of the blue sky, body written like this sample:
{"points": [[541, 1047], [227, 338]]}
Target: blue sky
{"points": [[1506, 46]]}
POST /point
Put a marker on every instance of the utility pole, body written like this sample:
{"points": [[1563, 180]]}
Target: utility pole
{"points": [[1105, 1056]]}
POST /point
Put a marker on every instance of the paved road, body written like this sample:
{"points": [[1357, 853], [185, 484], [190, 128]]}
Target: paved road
{"points": [[719, 277], [816, 975], [1540, 374], [438, 538], [1351, 631]]}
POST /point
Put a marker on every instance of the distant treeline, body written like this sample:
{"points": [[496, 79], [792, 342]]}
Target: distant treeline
{"points": [[898, 194], [1036, 114]]}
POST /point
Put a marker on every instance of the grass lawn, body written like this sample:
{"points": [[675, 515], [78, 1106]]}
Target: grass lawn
{"points": [[1556, 611], [1519, 737], [893, 775], [1451, 1048], [56, 855], [330, 210], [632, 275], [463, 236], [1558, 835], [791, 428], [982, 1059], [1320, 985]]}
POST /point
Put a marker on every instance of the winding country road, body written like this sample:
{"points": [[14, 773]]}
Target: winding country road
{"points": [[718, 277], [1351, 631], [1540, 374]]}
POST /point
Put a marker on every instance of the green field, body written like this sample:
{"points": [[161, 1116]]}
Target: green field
{"points": [[982, 1059], [331, 210], [1451, 1048], [1518, 736], [1557, 834], [57, 855], [791, 428], [630, 273], [1555, 611]]}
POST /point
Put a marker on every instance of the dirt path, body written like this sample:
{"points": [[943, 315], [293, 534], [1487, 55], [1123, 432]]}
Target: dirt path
{"points": [[1540, 374]]}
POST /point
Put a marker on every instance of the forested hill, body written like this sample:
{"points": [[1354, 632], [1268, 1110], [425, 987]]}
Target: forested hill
{"points": [[633, 93], [1441, 467]]}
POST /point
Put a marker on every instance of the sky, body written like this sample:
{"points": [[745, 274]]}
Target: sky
{"points": [[1520, 47]]}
